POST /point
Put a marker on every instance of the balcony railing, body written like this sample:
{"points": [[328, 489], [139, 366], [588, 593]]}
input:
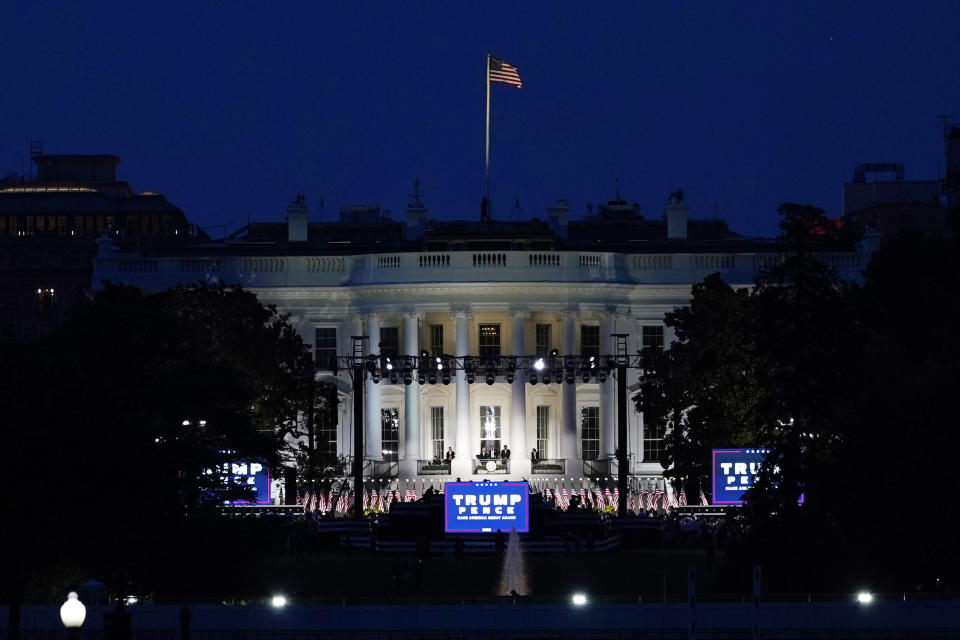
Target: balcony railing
{"points": [[551, 466], [431, 468], [484, 466], [382, 469]]}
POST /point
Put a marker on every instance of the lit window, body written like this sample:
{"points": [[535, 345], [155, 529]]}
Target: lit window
{"points": [[544, 339], [590, 433], [489, 340], [590, 340], [390, 434], [653, 337]]}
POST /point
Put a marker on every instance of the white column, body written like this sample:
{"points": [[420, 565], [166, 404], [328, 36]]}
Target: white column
{"points": [[463, 447], [608, 395], [411, 392], [520, 459], [356, 329], [568, 431], [374, 445]]}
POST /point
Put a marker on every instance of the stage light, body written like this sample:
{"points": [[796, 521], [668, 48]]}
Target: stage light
{"points": [[424, 353], [864, 597], [393, 376], [509, 377], [558, 376], [602, 376], [445, 377], [578, 599], [554, 353], [388, 365], [538, 364], [586, 375], [490, 379], [471, 378], [278, 601], [407, 378], [570, 377], [375, 377], [422, 379], [546, 379], [533, 378]]}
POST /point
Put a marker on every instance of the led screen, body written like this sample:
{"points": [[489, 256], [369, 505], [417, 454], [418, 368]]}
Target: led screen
{"points": [[484, 507], [252, 474], [734, 471]]}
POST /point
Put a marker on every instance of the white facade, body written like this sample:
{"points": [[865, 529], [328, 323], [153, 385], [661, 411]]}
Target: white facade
{"points": [[412, 292]]}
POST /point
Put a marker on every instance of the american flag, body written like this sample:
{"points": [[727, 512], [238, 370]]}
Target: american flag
{"points": [[366, 499], [500, 71], [565, 500], [583, 495], [703, 499], [599, 497], [609, 496], [682, 498], [657, 496], [616, 497], [411, 495]]}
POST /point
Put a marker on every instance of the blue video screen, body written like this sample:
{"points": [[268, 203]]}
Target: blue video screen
{"points": [[485, 507]]}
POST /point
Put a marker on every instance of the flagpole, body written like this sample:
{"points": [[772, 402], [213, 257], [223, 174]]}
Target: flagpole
{"points": [[486, 171]]}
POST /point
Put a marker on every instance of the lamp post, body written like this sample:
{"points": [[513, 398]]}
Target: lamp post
{"points": [[72, 614]]}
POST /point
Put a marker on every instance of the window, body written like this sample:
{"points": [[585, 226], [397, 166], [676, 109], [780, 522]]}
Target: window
{"points": [[590, 340], [325, 346], [544, 341], [652, 442], [653, 337], [490, 429], [489, 340], [436, 339], [328, 418], [590, 433], [390, 434], [543, 431], [46, 299], [390, 341], [436, 432]]}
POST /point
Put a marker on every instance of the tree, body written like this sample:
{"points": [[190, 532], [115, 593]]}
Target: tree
{"points": [[114, 419]]}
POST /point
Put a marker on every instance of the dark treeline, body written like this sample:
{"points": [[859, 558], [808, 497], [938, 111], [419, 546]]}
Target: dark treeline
{"points": [[851, 388]]}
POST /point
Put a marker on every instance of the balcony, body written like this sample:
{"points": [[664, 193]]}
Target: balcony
{"points": [[381, 469], [431, 468], [551, 466], [485, 467]]}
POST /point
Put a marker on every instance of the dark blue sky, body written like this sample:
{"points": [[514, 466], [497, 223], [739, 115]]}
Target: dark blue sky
{"points": [[232, 108]]}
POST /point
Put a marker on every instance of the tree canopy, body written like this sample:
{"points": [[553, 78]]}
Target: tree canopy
{"points": [[113, 419], [846, 384]]}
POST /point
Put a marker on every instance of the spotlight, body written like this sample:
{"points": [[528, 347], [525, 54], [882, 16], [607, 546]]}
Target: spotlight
{"points": [[864, 597], [432, 378], [470, 377], [388, 365], [554, 353], [490, 379], [533, 378], [422, 379], [602, 376], [546, 378], [579, 599], [445, 377], [509, 377], [407, 378], [538, 364], [278, 601], [375, 376], [393, 376], [424, 353], [570, 377], [558, 376], [586, 375]]}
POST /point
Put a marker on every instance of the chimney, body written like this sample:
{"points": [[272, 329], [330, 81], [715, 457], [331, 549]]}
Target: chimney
{"points": [[676, 214], [416, 213], [297, 218], [557, 216]]}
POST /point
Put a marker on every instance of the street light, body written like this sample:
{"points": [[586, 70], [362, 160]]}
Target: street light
{"points": [[72, 614]]}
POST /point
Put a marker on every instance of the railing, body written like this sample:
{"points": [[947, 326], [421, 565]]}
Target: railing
{"points": [[603, 467], [431, 468], [551, 466], [383, 468], [484, 466]]}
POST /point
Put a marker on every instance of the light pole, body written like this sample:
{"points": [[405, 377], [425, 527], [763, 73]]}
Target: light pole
{"points": [[72, 614]]}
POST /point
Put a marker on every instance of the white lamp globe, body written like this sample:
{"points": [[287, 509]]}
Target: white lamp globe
{"points": [[72, 612]]}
